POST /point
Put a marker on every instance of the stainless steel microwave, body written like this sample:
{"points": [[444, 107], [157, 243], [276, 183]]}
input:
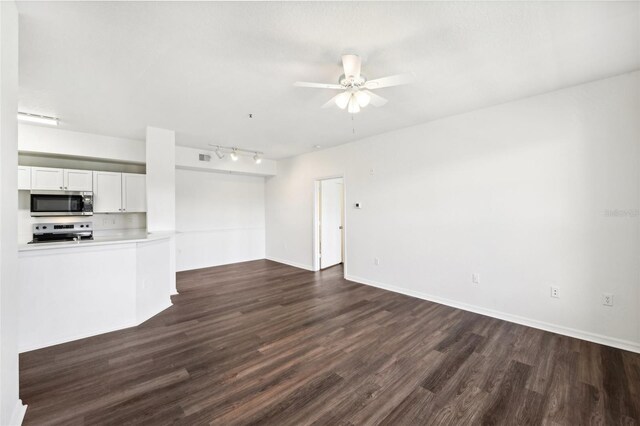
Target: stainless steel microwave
{"points": [[61, 203]]}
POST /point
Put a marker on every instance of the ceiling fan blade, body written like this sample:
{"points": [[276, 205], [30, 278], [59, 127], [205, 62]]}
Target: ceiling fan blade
{"points": [[351, 65], [376, 100], [392, 80], [340, 100], [318, 85]]}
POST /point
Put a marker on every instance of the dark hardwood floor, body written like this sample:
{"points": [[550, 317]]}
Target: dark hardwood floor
{"points": [[264, 343]]}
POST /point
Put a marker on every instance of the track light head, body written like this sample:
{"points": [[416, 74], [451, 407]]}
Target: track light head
{"points": [[257, 158], [219, 153], [234, 154]]}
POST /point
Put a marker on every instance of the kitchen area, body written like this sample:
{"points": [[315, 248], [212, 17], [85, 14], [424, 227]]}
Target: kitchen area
{"points": [[87, 263]]}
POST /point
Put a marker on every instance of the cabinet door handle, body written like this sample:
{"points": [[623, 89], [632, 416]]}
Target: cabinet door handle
{"points": [[62, 187]]}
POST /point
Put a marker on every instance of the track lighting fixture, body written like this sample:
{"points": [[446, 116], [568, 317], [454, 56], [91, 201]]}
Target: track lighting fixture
{"points": [[235, 153]]}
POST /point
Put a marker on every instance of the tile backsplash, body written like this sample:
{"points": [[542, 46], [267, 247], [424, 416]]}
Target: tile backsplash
{"points": [[101, 221]]}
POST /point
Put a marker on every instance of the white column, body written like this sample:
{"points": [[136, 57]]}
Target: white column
{"points": [[11, 408], [161, 187]]}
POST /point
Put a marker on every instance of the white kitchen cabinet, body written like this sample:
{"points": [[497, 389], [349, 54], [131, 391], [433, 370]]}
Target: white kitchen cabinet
{"points": [[78, 180], [134, 193], [46, 178], [119, 192], [24, 178], [107, 192], [51, 179]]}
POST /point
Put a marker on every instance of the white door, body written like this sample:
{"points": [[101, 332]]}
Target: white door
{"points": [[107, 192], [331, 199], [78, 180], [24, 177], [134, 194], [47, 178]]}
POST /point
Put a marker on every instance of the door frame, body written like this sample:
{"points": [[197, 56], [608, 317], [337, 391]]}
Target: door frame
{"points": [[316, 221]]}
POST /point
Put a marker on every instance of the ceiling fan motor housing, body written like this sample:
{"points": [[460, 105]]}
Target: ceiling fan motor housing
{"points": [[351, 81]]}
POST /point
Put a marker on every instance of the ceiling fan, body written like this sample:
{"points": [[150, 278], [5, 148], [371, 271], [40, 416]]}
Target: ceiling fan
{"points": [[356, 89]]}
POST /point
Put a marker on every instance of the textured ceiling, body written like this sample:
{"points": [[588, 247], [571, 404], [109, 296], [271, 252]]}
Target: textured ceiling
{"points": [[201, 68]]}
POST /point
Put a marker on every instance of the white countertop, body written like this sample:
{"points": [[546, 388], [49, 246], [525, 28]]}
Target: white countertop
{"points": [[133, 236]]}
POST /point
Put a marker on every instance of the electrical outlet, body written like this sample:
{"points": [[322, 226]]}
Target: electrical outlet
{"points": [[607, 299], [475, 278], [376, 261], [555, 292]]}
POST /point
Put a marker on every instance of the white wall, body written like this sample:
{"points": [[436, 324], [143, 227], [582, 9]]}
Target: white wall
{"points": [[219, 219], [161, 189], [161, 164], [51, 140], [11, 408], [539, 192]]}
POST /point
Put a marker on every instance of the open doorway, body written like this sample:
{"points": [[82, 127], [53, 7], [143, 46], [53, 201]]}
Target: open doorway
{"points": [[329, 229]]}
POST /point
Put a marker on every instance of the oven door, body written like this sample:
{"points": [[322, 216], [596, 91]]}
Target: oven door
{"points": [[61, 203]]}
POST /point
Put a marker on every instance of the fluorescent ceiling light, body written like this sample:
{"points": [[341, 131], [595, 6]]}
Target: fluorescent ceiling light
{"points": [[40, 119]]}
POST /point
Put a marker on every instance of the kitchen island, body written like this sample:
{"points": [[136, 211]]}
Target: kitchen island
{"points": [[72, 290]]}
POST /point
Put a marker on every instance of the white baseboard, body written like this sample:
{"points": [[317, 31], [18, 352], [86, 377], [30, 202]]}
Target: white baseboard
{"points": [[554, 328], [71, 338], [67, 339], [18, 414], [156, 312], [290, 263]]}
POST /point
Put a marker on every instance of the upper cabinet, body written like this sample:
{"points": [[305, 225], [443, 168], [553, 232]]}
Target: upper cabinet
{"points": [[46, 178], [107, 192], [113, 192], [119, 192], [134, 193], [24, 178], [78, 180], [50, 179]]}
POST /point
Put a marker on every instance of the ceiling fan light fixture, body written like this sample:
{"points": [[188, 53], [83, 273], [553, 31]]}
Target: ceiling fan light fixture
{"points": [[342, 100], [354, 107], [363, 98]]}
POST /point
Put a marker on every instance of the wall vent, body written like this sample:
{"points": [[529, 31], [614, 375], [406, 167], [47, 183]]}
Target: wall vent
{"points": [[204, 157]]}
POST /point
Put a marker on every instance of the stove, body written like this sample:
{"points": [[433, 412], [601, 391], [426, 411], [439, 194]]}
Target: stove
{"points": [[53, 232]]}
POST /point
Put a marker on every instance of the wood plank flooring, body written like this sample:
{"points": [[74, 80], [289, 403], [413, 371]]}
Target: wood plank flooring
{"points": [[264, 343]]}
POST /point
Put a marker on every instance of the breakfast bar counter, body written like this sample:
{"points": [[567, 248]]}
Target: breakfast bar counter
{"points": [[72, 290]]}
